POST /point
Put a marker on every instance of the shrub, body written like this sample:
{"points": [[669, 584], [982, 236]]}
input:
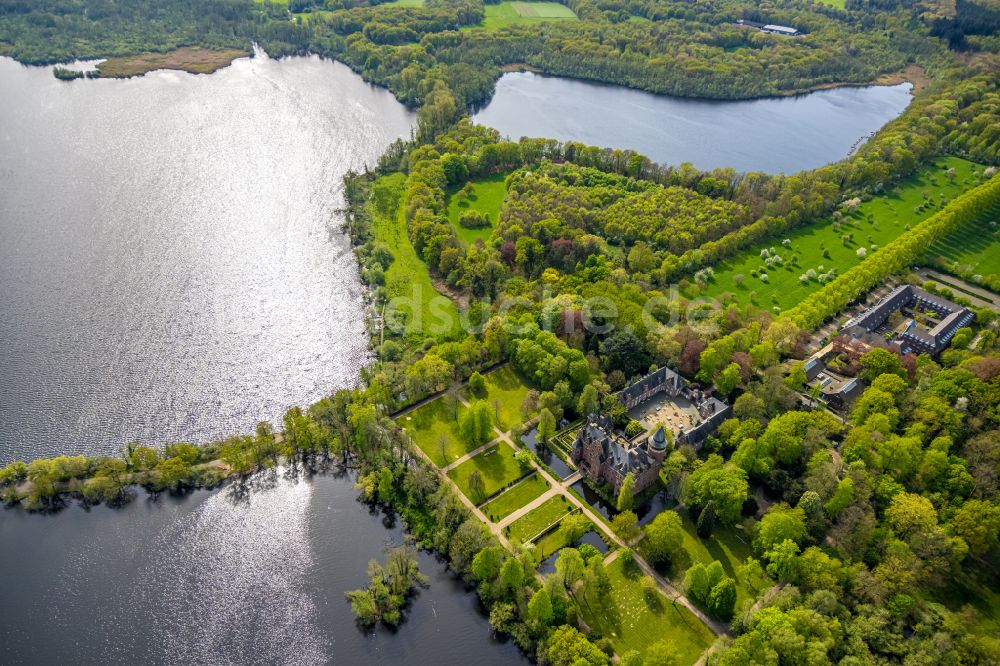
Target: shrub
{"points": [[473, 219]]}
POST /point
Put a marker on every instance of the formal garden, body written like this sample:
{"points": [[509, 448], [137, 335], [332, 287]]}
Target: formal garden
{"points": [[487, 473], [434, 427], [539, 519], [504, 392], [510, 500]]}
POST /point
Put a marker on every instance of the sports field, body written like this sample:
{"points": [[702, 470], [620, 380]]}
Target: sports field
{"points": [[511, 13]]}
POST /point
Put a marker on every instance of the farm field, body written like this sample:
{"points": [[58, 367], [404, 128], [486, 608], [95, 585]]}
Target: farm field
{"points": [[505, 393], [511, 13], [634, 617], [407, 275], [487, 196], [434, 428], [530, 525], [875, 222], [515, 497], [497, 468]]}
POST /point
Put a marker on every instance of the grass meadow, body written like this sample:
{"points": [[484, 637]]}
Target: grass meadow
{"points": [[820, 247]]}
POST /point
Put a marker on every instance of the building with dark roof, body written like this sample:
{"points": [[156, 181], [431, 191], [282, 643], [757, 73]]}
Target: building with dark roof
{"points": [[702, 412], [836, 391], [912, 338], [607, 457]]}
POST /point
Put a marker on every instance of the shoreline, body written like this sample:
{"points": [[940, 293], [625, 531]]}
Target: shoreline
{"points": [[912, 74]]}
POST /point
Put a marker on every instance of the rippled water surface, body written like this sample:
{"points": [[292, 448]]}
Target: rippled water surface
{"points": [[250, 574], [786, 134], [171, 264]]}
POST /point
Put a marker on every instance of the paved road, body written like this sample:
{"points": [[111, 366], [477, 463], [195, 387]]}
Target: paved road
{"points": [[471, 454], [980, 297]]}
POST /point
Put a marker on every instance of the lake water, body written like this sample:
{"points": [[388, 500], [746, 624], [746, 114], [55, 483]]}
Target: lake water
{"points": [[247, 574], [774, 135], [171, 262]]}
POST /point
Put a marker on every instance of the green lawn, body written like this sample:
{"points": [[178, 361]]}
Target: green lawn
{"points": [[428, 312], [434, 428], [315, 15], [877, 221], [487, 196], [515, 497], [839, 4], [505, 393], [976, 247], [496, 466], [511, 13], [728, 545], [634, 617], [530, 525], [404, 3]]}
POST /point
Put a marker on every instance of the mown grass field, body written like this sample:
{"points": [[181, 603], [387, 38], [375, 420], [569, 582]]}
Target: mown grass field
{"points": [[315, 15], [487, 196], [634, 617], [434, 428], [533, 523], [505, 393], [433, 314], [496, 466], [515, 497], [976, 247], [511, 13], [876, 222], [404, 3]]}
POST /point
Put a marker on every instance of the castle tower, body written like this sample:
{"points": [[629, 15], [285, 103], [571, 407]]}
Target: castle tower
{"points": [[658, 445]]}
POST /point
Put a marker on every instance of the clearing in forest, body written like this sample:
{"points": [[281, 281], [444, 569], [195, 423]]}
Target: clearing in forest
{"points": [[510, 13], [483, 196], [407, 276]]}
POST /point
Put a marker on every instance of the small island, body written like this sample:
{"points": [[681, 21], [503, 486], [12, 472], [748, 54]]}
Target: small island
{"points": [[390, 590], [195, 60]]}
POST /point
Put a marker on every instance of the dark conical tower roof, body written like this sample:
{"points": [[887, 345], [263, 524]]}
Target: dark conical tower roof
{"points": [[659, 440]]}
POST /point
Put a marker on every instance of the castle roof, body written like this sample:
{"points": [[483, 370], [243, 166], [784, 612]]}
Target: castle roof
{"points": [[659, 439]]}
